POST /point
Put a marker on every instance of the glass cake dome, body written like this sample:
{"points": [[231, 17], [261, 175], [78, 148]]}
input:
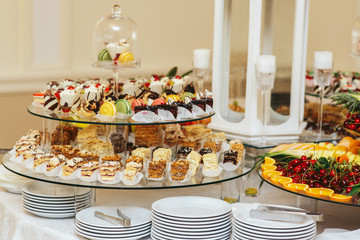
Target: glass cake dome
{"points": [[115, 42]]}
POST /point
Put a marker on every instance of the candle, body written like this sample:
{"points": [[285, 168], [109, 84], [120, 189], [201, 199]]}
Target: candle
{"points": [[201, 58], [323, 60], [266, 64]]}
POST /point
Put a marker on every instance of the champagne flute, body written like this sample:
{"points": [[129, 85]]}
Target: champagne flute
{"points": [[323, 62], [265, 77]]}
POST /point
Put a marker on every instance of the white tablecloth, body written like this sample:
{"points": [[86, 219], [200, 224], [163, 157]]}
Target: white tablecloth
{"points": [[17, 224]]}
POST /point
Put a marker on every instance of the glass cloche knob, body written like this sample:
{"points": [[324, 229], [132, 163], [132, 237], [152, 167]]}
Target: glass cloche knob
{"points": [[116, 41]]}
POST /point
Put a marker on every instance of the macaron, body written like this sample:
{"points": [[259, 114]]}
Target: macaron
{"points": [[108, 109], [136, 102], [123, 106], [158, 101], [104, 55], [126, 57]]}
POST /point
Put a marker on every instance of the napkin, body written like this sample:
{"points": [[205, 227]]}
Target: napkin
{"points": [[337, 233]]}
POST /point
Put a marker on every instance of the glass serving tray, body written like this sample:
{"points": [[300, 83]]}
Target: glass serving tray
{"points": [[145, 183], [304, 195], [53, 116]]}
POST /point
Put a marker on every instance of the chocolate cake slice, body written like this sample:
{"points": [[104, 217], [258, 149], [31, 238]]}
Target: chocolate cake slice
{"points": [[200, 103], [171, 108], [183, 152], [230, 157]]}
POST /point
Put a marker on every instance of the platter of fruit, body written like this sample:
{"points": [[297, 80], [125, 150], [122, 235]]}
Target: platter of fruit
{"points": [[323, 171]]}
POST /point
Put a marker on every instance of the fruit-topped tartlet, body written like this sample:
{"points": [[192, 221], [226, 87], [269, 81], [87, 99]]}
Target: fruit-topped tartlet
{"points": [[69, 98]]}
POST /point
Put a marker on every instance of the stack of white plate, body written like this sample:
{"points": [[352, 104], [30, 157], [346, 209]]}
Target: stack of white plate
{"points": [[91, 227], [191, 217], [245, 227], [11, 181], [54, 201]]}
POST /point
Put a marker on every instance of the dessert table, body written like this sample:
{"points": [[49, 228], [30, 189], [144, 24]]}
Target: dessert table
{"points": [[16, 223]]}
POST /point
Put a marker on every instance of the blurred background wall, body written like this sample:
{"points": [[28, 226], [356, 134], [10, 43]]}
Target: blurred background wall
{"points": [[43, 40]]}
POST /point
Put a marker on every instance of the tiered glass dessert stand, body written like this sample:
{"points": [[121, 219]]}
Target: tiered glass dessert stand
{"points": [[121, 125]]}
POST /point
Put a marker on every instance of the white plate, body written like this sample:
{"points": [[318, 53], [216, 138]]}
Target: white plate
{"points": [[96, 237], [155, 236], [274, 231], [138, 216], [242, 215], [51, 208], [253, 237], [49, 190], [51, 211], [166, 235], [272, 235], [192, 220], [199, 224], [191, 207], [177, 227], [105, 233], [91, 228], [185, 233], [48, 215], [58, 200], [55, 203]]}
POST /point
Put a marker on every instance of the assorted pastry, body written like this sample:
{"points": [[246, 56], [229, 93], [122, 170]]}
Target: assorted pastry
{"points": [[95, 158], [158, 98]]}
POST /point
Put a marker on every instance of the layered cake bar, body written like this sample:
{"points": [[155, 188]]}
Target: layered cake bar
{"points": [[195, 144], [162, 154], [172, 134], [230, 156], [35, 134], [89, 167], [194, 159], [61, 149], [183, 152], [22, 149], [236, 145], [211, 145], [134, 161], [31, 153], [42, 158], [148, 135], [142, 152], [55, 161], [218, 139], [179, 169], [130, 173], [156, 169], [110, 165], [210, 162], [72, 165]]}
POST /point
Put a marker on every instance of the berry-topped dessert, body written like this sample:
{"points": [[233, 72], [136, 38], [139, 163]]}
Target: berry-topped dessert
{"points": [[318, 170]]}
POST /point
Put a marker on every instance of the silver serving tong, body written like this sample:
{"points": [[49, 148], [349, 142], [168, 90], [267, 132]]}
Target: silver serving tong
{"points": [[123, 220], [127, 220], [316, 216]]}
